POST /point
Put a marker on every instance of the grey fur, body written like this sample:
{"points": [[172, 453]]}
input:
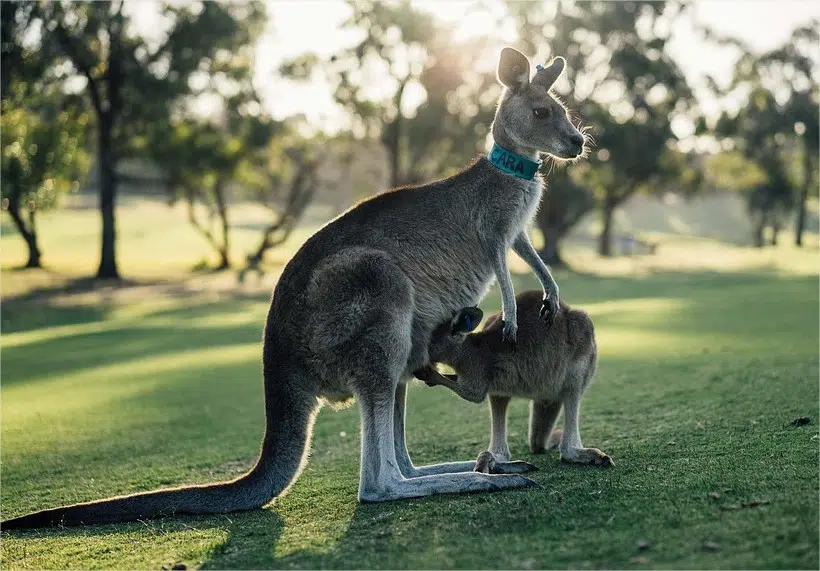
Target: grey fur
{"points": [[552, 366], [353, 311]]}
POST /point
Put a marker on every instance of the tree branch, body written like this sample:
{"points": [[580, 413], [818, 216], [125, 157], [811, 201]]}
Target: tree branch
{"points": [[192, 218], [301, 192], [14, 212], [73, 53]]}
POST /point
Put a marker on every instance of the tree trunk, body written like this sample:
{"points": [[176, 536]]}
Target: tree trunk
{"points": [[33, 248], [393, 138], [393, 151], [551, 252], [605, 239], [108, 195], [800, 224], [222, 209], [29, 233], [775, 231], [757, 234]]}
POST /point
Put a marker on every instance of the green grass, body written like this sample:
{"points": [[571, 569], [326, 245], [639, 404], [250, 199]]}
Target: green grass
{"points": [[701, 374]]}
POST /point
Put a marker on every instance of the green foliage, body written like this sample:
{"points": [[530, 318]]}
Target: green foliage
{"points": [[42, 154], [459, 106], [130, 82], [777, 121], [733, 171], [44, 129], [623, 83], [407, 46], [566, 202], [129, 78]]}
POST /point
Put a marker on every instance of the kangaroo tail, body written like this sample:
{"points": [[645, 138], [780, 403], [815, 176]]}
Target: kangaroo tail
{"points": [[289, 422]]}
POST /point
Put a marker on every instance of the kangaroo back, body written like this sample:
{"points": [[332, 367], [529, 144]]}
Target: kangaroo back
{"points": [[290, 416]]}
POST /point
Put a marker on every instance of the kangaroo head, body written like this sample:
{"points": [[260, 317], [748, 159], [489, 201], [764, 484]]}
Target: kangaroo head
{"points": [[528, 118], [465, 320], [450, 333]]}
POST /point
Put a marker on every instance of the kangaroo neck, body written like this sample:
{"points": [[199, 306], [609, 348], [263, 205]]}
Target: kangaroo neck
{"points": [[512, 163], [489, 179], [502, 140]]}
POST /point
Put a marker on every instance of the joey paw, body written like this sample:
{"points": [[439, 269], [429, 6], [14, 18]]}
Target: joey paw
{"points": [[485, 463]]}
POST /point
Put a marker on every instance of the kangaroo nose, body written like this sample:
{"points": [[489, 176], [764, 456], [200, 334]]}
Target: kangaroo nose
{"points": [[578, 139]]}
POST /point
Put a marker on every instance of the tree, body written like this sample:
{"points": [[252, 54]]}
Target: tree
{"points": [[285, 184], [795, 66], [43, 128], [129, 81], [804, 108], [202, 159], [417, 56], [778, 118], [42, 158], [565, 205], [622, 81], [757, 130], [392, 48]]}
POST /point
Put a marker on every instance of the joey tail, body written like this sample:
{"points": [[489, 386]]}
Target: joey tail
{"points": [[289, 422]]}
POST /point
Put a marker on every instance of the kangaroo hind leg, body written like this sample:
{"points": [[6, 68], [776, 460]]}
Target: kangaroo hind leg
{"points": [[381, 478]]}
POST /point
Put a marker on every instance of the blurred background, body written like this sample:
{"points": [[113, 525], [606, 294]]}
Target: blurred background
{"points": [[162, 161], [198, 141]]}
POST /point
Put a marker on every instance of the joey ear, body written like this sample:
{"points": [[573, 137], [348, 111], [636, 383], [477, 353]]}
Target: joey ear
{"points": [[513, 69], [546, 76], [466, 320]]}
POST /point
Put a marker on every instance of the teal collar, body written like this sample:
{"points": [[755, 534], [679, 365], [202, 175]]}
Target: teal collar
{"points": [[511, 163]]}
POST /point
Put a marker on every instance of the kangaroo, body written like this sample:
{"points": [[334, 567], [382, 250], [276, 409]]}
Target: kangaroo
{"points": [[353, 310], [552, 366]]}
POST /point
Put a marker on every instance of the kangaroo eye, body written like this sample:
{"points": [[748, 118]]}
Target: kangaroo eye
{"points": [[541, 112]]}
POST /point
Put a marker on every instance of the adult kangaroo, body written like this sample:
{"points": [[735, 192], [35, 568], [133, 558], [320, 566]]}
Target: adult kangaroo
{"points": [[354, 309]]}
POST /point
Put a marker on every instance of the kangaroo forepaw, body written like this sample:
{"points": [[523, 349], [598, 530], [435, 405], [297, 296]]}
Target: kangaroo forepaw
{"points": [[486, 463], [549, 308], [591, 456], [509, 334]]}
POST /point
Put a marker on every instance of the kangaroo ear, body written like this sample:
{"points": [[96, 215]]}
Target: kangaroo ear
{"points": [[546, 76], [466, 320], [513, 69]]}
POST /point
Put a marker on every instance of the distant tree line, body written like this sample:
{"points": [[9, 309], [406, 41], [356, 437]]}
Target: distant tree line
{"points": [[81, 85]]}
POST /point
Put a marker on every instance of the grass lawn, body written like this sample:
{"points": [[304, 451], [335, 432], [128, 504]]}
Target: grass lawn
{"points": [[701, 374]]}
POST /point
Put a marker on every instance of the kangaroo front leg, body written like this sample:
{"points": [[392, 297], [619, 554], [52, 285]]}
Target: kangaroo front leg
{"points": [[508, 306], [434, 378], [496, 460], [524, 248], [572, 450]]}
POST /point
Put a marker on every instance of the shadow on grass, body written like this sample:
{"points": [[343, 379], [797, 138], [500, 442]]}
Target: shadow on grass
{"points": [[39, 307], [370, 539], [414, 533], [696, 309], [66, 355]]}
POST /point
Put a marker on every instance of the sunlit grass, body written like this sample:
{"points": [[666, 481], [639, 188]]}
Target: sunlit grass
{"points": [[154, 242]]}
